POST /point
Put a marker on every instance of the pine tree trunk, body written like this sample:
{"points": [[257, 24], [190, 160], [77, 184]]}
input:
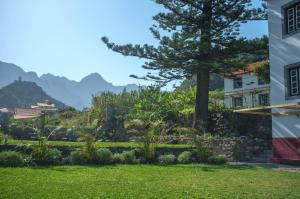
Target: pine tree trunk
{"points": [[203, 72], [202, 93]]}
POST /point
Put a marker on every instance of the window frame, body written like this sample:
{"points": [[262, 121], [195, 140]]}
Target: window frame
{"points": [[234, 101], [260, 99], [288, 79], [285, 23], [234, 82]]}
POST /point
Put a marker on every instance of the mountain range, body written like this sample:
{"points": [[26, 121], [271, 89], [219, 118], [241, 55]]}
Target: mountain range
{"points": [[24, 94], [70, 92]]}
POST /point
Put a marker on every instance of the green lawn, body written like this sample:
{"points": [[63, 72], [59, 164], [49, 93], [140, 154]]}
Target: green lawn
{"points": [[146, 181], [99, 144]]}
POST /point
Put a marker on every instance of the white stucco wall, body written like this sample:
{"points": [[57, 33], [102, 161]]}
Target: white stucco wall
{"points": [[283, 51]]}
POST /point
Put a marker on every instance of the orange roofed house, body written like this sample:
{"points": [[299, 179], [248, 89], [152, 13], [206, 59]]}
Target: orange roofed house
{"points": [[244, 89]]}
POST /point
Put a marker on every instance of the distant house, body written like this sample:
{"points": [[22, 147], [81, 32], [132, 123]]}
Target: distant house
{"points": [[244, 89], [7, 111], [27, 113], [45, 106], [35, 111]]}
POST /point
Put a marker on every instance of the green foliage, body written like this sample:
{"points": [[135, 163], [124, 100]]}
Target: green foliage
{"points": [[204, 149], [11, 159], [54, 156], [118, 158], [40, 151], [77, 158], [167, 159], [104, 156], [218, 159], [199, 38], [263, 71], [147, 135], [89, 149], [185, 157], [2, 137], [128, 157]]}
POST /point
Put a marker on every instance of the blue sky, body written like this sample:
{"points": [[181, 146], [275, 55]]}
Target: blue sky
{"points": [[62, 37]]}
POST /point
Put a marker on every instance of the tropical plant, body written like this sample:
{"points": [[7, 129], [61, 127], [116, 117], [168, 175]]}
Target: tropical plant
{"points": [[147, 134], [40, 150], [89, 149]]}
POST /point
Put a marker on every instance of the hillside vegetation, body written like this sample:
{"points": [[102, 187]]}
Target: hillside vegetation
{"points": [[24, 94]]}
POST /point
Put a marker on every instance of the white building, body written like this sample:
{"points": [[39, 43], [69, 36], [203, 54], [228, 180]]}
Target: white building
{"points": [[245, 89], [284, 30]]}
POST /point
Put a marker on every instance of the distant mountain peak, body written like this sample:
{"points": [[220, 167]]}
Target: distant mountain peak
{"points": [[70, 92]]}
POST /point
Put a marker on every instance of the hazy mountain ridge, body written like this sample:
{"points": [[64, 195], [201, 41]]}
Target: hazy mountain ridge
{"points": [[24, 94], [70, 92]]}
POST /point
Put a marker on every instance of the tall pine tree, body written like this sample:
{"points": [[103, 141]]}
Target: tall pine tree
{"points": [[196, 37]]}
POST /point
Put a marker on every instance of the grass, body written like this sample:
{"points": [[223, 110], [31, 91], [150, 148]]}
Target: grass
{"points": [[99, 144], [148, 181]]}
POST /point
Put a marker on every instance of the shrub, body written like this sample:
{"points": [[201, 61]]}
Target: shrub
{"points": [[76, 157], [104, 156], [218, 159], [118, 158], [167, 159], [203, 153], [128, 157], [1, 137], [185, 157], [53, 156], [11, 159]]}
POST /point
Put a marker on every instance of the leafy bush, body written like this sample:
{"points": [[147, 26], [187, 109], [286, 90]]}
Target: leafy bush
{"points": [[218, 159], [53, 156], [76, 157], [185, 157], [129, 157], [167, 159], [11, 159], [104, 156], [118, 158]]}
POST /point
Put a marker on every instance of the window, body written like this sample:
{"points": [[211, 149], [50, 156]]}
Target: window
{"points": [[264, 99], [237, 101], [237, 82], [293, 81], [292, 18]]}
